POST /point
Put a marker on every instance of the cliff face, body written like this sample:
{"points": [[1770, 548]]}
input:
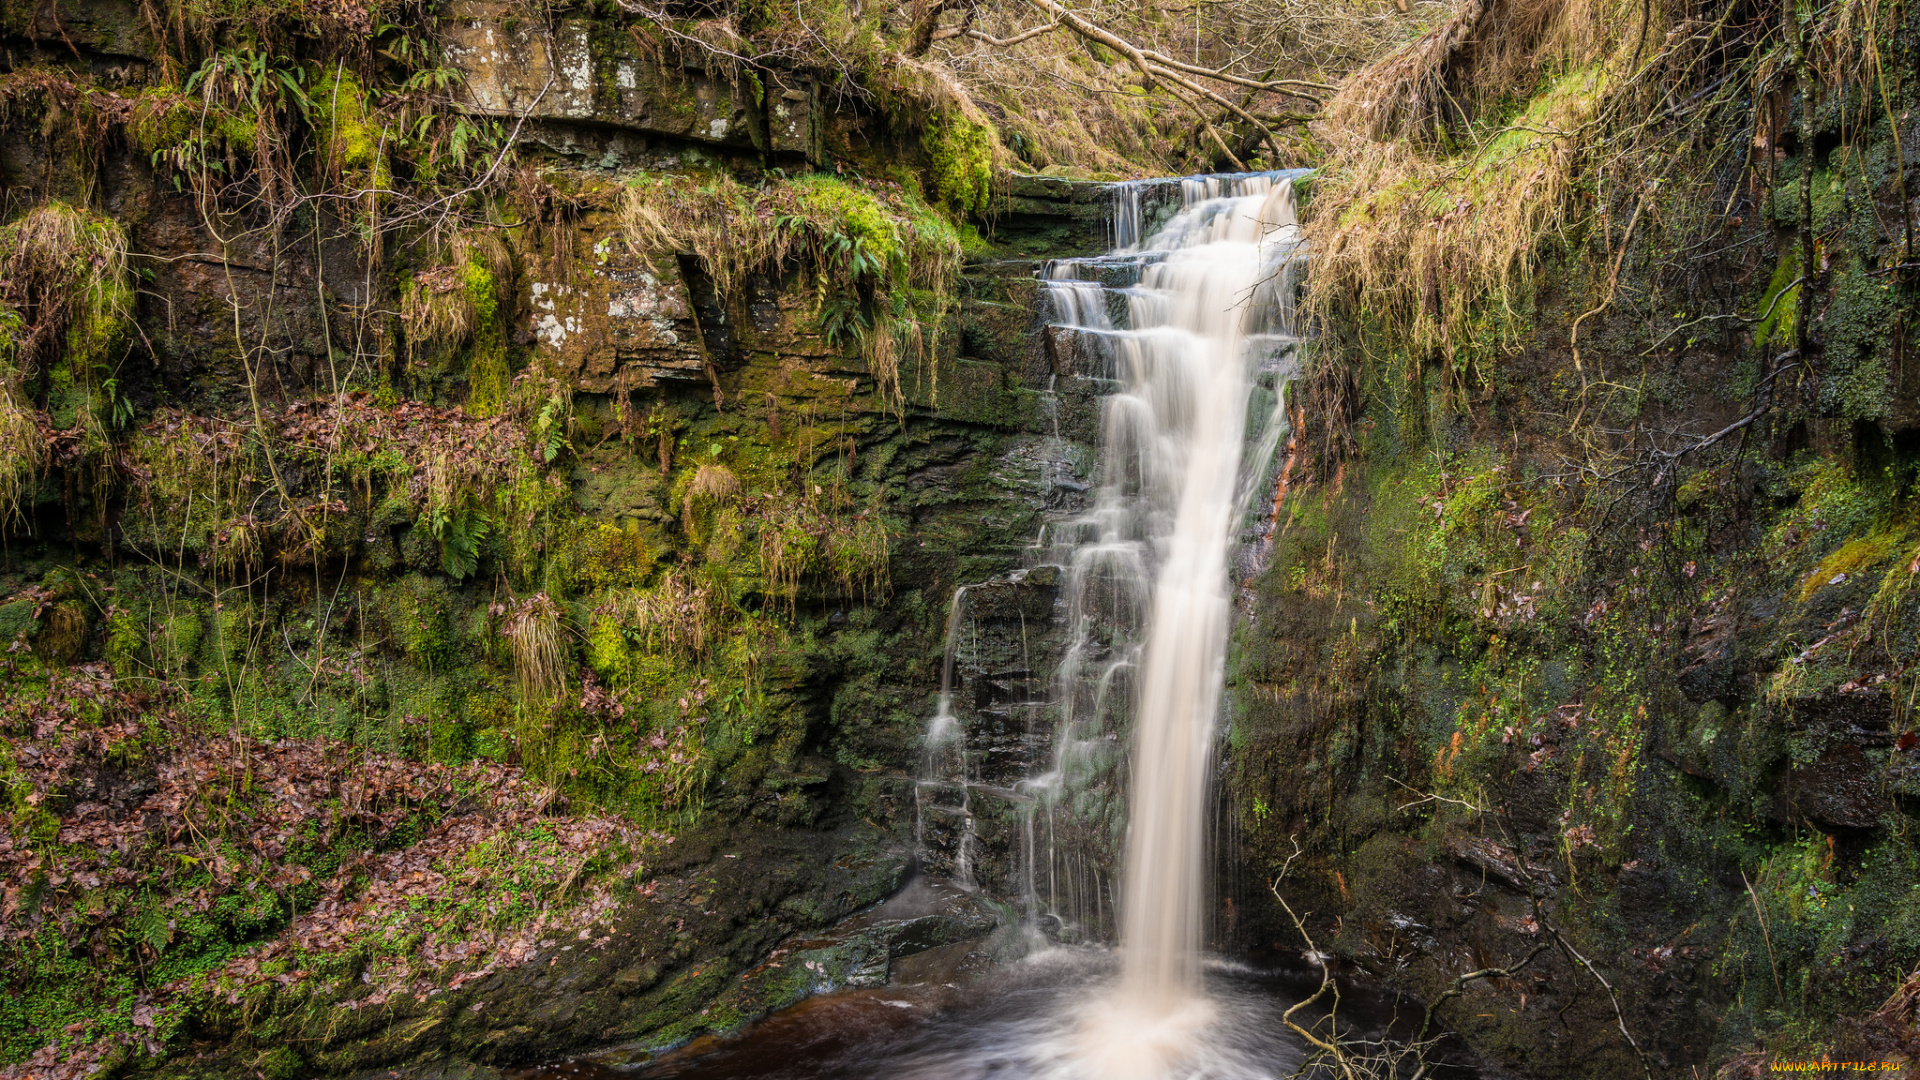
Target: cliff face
{"points": [[480, 515], [1585, 633]]}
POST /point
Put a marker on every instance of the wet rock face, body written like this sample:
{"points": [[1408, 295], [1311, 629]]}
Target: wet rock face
{"points": [[605, 317], [1689, 756], [650, 113], [667, 966], [973, 456]]}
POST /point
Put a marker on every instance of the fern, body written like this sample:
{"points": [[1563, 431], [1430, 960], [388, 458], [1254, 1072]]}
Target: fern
{"points": [[550, 428], [460, 535]]}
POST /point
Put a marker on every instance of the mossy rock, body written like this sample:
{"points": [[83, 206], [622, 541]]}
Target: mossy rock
{"points": [[63, 634], [419, 550], [17, 620], [419, 623]]}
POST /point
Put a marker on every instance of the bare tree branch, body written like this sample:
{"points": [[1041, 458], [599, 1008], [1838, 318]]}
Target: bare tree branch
{"points": [[1006, 42], [1295, 87], [926, 20]]}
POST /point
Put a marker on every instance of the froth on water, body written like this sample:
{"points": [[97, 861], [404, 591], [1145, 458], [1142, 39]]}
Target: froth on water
{"points": [[1051, 1016]]}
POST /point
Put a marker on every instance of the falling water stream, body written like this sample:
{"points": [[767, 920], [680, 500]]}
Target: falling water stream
{"points": [[1187, 326], [1179, 457]]}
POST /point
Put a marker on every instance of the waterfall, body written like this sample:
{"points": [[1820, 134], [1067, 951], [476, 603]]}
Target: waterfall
{"points": [[1179, 432], [1186, 328]]}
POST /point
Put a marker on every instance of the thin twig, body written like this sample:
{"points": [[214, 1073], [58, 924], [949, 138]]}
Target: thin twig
{"points": [[1559, 939], [1765, 934]]}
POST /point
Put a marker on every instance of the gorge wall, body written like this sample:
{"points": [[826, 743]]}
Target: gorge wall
{"points": [[476, 576], [1584, 623]]}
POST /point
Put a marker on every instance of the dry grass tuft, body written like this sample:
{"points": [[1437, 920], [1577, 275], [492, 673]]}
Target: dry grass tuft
{"points": [[64, 270], [533, 637], [715, 483], [446, 305], [712, 485], [23, 450], [1403, 93], [711, 218], [1439, 195], [436, 308]]}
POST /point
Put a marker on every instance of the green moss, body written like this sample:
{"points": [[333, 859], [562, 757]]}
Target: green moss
{"points": [[233, 635], [280, 1063], [603, 556], [343, 125], [1780, 305], [972, 244], [1831, 505], [65, 632], [176, 642], [854, 212], [239, 131], [488, 373], [1828, 198], [418, 623], [1530, 134], [162, 121], [1859, 378], [960, 158], [17, 620], [607, 650]]}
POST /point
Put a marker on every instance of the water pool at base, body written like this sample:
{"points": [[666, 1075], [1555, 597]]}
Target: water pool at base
{"points": [[1052, 1016]]}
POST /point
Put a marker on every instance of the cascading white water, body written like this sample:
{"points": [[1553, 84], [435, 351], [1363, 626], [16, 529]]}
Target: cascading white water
{"points": [[1188, 331], [1177, 471]]}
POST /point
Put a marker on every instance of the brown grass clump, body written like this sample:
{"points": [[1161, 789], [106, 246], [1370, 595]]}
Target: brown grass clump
{"points": [[714, 482], [446, 306], [712, 485], [23, 450], [533, 638], [713, 220], [66, 307], [1437, 199], [436, 308], [64, 270], [734, 230]]}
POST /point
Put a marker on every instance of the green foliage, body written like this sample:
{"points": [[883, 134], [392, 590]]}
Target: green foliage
{"points": [[342, 120], [417, 610], [1833, 940], [176, 639], [226, 120], [550, 427], [883, 261], [1780, 305], [960, 154]]}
